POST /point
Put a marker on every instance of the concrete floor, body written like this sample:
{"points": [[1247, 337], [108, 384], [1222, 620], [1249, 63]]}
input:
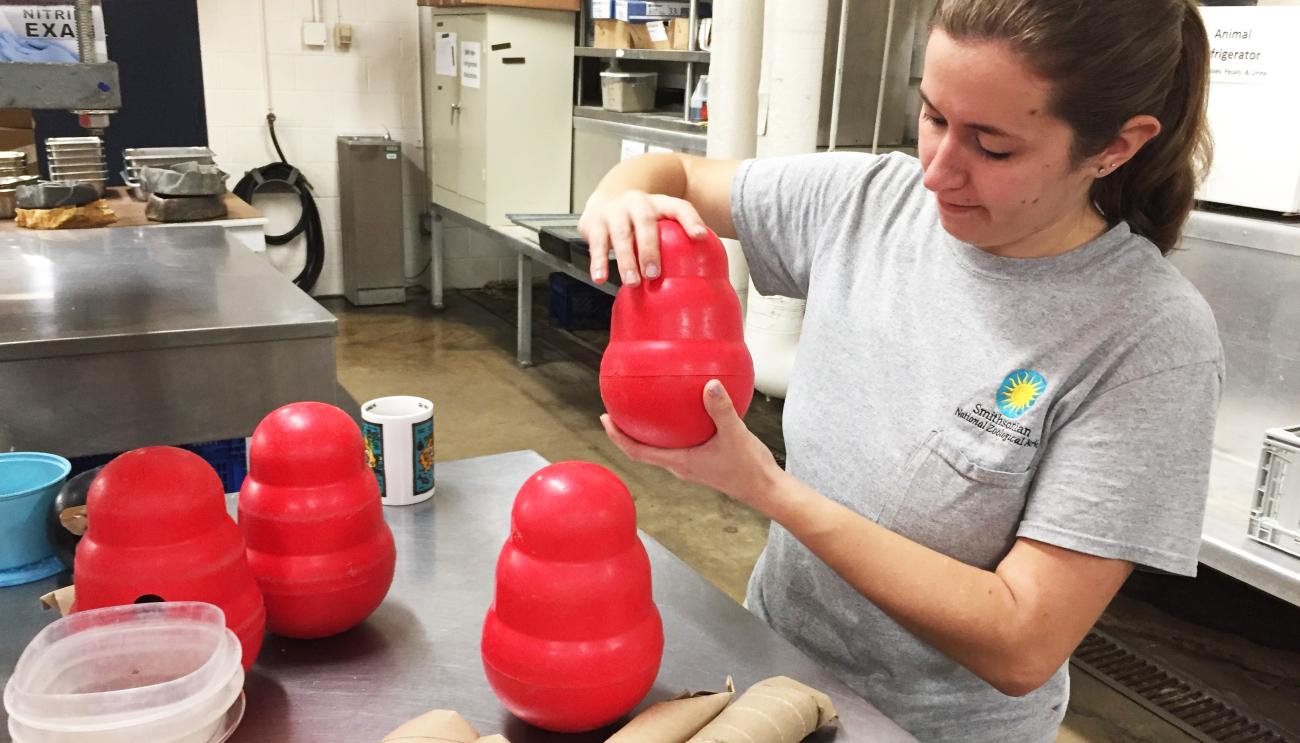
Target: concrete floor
{"points": [[462, 358]]}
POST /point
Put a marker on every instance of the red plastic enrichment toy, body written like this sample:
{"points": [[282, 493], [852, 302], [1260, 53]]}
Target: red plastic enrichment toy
{"points": [[573, 639], [158, 530], [668, 337], [311, 514]]}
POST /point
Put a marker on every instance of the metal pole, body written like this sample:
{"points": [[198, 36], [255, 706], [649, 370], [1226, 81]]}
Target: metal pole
{"points": [[839, 74], [524, 339], [85, 18], [692, 33], [690, 88], [884, 73]]}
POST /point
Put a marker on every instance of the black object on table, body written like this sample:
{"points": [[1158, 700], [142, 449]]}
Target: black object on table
{"points": [[420, 649]]}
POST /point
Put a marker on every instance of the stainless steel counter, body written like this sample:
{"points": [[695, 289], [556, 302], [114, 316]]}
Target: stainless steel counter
{"points": [[116, 338], [1248, 269], [419, 651]]}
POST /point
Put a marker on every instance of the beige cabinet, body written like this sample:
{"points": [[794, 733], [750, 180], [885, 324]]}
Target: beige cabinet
{"points": [[498, 109]]}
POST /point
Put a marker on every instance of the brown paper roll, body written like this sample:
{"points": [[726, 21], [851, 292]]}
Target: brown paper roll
{"points": [[776, 710], [61, 599], [438, 726], [674, 721], [94, 214]]}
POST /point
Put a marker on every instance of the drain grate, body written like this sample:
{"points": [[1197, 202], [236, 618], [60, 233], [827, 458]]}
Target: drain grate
{"points": [[1188, 706]]}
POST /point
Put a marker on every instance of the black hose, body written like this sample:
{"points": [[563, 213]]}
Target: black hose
{"points": [[287, 176]]}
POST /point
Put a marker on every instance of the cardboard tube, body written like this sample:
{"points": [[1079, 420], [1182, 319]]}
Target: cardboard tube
{"points": [[439, 726], [674, 721], [776, 710], [61, 599]]}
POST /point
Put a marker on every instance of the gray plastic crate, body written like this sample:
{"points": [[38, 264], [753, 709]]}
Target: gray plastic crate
{"points": [[1275, 511]]}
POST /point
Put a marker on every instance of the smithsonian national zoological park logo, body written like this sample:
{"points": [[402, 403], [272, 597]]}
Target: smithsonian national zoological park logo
{"points": [[1014, 397]]}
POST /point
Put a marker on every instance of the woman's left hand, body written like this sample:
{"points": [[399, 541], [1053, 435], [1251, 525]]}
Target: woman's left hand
{"points": [[734, 461]]}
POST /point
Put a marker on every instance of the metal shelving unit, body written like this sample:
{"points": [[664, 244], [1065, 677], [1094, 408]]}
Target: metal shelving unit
{"points": [[650, 55], [690, 57]]}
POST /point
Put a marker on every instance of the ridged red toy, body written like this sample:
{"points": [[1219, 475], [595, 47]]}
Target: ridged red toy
{"points": [[573, 639], [157, 529], [668, 337], [310, 512]]}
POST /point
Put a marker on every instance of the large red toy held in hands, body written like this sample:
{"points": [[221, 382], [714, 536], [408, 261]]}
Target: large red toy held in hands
{"points": [[310, 512], [158, 530], [573, 640], [668, 337]]}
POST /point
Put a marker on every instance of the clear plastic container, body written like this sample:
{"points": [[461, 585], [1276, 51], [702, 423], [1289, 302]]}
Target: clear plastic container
{"points": [[628, 91], [151, 673]]}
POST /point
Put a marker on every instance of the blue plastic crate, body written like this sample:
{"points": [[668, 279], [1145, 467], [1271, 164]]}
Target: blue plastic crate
{"points": [[229, 457], [577, 306]]}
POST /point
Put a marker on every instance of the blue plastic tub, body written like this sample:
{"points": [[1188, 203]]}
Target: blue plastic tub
{"points": [[28, 483]]}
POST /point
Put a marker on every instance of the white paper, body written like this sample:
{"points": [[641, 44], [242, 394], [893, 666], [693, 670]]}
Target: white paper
{"points": [[632, 148], [471, 68], [657, 31], [656, 148], [445, 54], [1253, 47]]}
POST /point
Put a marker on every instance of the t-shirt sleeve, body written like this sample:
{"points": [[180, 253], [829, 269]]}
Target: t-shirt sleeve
{"points": [[1127, 477], [781, 207]]}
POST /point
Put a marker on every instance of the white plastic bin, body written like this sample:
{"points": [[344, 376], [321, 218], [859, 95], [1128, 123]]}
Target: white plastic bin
{"points": [[628, 92], [142, 673]]}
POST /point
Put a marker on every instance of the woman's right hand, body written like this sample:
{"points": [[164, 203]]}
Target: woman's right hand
{"points": [[629, 224]]}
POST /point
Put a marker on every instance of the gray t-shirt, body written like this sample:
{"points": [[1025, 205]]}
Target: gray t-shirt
{"points": [[963, 400]]}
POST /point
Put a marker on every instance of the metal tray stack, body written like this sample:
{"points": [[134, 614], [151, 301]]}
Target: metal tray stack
{"points": [[137, 158], [13, 164], [77, 159], [8, 187]]}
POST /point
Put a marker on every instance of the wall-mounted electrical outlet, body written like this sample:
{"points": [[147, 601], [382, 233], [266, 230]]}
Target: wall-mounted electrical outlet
{"points": [[342, 35], [314, 34]]}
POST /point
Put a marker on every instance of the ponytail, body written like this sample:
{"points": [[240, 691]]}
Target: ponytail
{"points": [[1154, 192]]}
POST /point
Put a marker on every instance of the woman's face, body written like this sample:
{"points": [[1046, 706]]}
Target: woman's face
{"points": [[999, 165]]}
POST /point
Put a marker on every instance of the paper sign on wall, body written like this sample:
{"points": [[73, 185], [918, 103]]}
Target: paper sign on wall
{"points": [[1251, 45], [653, 149], [631, 148], [444, 54], [471, 68]]}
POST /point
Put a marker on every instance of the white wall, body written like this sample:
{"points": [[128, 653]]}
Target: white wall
{"points": [[317, 94]]}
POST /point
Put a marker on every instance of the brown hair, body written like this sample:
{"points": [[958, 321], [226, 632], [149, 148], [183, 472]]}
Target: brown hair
{"points": [[1110, 60]]}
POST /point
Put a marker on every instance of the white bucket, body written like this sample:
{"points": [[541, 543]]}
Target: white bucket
{"points": [[158, 673]]}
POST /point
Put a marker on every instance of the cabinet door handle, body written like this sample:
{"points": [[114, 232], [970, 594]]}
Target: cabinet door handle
{"points": [[455, 109]]}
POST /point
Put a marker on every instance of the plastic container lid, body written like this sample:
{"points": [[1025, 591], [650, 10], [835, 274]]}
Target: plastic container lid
{"points": [[160, 672]]}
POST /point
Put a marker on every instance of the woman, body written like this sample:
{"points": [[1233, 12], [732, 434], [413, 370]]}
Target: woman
{"points": [[1003, 399]]}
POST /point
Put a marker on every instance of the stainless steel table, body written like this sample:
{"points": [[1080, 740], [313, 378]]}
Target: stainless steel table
{"points": [[419, 651], [112, 339]]}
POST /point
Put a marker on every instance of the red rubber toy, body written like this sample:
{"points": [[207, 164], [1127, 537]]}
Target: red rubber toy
{"points": [[158, 530], [668, 337], [310, 512], [573, 640]]}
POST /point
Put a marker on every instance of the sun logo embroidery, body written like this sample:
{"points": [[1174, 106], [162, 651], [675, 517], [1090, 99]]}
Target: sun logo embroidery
{"points": [[1019, 391]]}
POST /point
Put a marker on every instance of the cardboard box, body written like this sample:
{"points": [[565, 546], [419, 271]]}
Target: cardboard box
{"points": [[16, 118], [611, 34], [572, 5], [602, 9], [16, 139], [673, 34]]}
